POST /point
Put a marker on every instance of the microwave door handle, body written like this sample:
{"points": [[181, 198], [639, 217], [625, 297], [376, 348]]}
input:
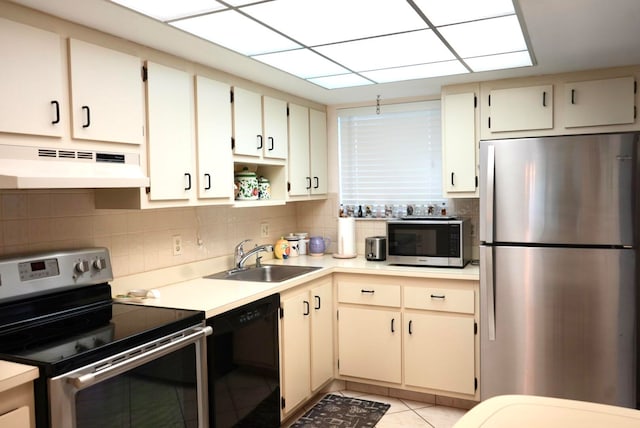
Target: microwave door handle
{"points": [[490, 202], [88, 379]]}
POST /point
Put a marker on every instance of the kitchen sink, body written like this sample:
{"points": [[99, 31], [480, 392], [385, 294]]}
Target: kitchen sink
{"points": [[264, 273]]}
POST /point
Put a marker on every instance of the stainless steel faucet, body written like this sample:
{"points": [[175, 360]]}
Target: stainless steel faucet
{"points": [[240, 257]]}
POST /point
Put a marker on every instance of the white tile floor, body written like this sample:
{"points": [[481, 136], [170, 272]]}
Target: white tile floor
{"points": [[406, 413]]}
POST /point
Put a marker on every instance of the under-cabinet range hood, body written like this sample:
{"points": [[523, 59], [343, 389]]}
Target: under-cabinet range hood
{"points": [[26, 167]]}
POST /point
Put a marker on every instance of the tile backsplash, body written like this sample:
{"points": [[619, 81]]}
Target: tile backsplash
{"points": [[141, 241]]}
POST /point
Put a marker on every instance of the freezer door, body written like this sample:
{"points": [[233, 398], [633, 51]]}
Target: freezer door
{"points": [[558, 190], [563, 320]]}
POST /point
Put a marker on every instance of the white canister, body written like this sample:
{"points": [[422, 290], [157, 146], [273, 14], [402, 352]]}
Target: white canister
{"points": [[302, 243], [294, 245]]}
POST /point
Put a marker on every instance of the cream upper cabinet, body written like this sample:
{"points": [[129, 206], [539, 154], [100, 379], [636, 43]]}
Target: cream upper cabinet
{"points": [[247, 123], [520, 109], [299, 176], [31, 78], [275, 138], [599, 102], [213, 136], [106, 94], [318, 151], [307, 341], [307, 151], [170, 104], [459, 144]]}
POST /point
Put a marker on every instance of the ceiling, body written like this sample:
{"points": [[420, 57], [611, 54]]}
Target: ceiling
{"points": [[564, 35]]}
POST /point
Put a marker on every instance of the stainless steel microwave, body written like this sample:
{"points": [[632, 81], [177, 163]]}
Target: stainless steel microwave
{"points": [[444, 242]]}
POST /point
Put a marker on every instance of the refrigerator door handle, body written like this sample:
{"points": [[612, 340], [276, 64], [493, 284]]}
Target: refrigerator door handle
{"points": [[491, 183], [487, 279]]}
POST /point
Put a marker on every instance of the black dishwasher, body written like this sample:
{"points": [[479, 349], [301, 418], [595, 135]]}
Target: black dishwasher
{"points": [[243, 366]]}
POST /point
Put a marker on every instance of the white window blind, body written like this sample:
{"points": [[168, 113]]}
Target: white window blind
{"points": [[394, 157]]}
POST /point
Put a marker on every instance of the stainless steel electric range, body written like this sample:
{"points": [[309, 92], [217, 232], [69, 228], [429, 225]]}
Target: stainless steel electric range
{"points": [[101, 363]]}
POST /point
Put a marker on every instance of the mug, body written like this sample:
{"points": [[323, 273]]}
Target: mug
{"points": [[294, 246], [318, 245]]}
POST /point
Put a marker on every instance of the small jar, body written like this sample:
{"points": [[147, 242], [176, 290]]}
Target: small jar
{"points": [[264, 188], [247, 185]]}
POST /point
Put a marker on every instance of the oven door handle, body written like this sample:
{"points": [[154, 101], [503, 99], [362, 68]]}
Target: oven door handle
{"points": [[88, 379]]}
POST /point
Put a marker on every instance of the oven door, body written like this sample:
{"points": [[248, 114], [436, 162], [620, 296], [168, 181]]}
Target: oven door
{"points": [[160, 383]]}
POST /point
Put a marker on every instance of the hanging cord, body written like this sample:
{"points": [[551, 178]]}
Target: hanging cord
{"points": [[378, 104]]}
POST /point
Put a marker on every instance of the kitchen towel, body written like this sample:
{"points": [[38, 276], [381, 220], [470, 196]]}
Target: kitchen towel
{"points": [[346, 237]]}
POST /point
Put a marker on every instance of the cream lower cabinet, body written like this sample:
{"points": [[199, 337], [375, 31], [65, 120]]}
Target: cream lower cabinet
{"points": [[306, 341], [409, 333]]}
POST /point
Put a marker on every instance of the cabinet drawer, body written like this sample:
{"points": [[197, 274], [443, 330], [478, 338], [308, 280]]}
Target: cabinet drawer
{"points": [[363, 293], [439, 299], [18, 418]]}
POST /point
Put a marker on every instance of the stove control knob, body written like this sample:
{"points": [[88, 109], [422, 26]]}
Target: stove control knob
{"points": [[82, 266], [99, 263]]}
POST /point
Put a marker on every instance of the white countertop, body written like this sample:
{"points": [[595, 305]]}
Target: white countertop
{"points": [[217, 296], [526, 411]]}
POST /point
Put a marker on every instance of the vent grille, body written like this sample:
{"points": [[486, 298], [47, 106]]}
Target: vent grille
{"points": [[47, 153], [67, 154], [85, 155]]}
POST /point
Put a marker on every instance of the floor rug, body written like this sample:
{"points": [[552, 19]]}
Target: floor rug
{"points": [[344, 412]]}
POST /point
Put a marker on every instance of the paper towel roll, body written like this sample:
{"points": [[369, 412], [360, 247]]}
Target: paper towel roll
{"points": [[346, 237]]}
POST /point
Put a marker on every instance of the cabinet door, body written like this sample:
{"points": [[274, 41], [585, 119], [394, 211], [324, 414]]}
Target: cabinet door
{"points": [[369, 342], [31, 79], [459, 141], [215, 158], [106, 94], [296, 356], [171, 143], [275, 128], [247, 122], [599, 102], [318, 151], [299, 177], [520, 109], [18, 418], [439, 352], [321, 334]]}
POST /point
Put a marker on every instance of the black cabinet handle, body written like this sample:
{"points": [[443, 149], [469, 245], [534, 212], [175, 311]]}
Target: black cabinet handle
{"points": [[186, 174], [88, 116], [271, 143], [573, 96], [259, 141], [410, 324], [317, 181], [308, 183], [393, 327], [56, 104], [318, 302], [544, 98], [306, 310], [368, 291], [438, 296], [208, 178], [452, 174]]}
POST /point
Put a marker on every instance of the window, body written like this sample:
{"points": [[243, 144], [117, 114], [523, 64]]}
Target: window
{"points": [[391, 158]]}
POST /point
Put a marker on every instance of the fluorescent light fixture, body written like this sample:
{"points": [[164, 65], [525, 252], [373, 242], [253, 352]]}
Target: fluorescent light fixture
{"points": [[342, 43], [422, 71], [317, 22], [165, 10], [500, 61], [302, 63], [416, 47], [486, 37], [446, 12], [236, 32], [340, 81]]}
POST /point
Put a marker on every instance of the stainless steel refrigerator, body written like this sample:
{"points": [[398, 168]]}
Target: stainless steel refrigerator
{"points": [[559, 287]]}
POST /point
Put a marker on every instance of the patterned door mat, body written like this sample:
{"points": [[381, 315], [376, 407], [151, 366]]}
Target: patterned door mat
{"points": [[344, 412]]}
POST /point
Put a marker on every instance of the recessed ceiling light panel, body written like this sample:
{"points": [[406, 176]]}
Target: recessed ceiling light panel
{"points": [[302, 63], [445, 12], [165, 10], [500, 61], [422, 71], [340, 81]]}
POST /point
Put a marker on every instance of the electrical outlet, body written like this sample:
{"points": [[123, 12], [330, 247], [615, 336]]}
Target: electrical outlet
{"points": [[177, 245], [264, 230]]}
